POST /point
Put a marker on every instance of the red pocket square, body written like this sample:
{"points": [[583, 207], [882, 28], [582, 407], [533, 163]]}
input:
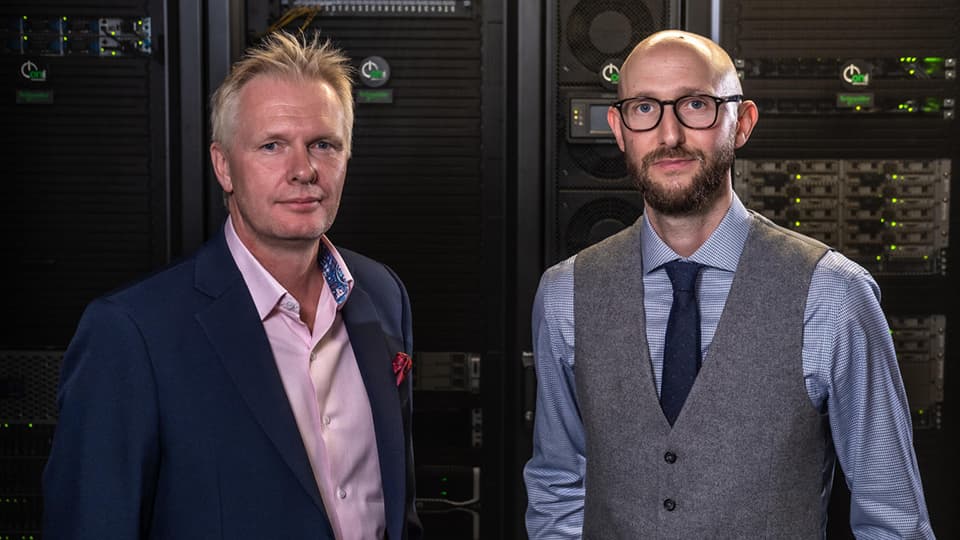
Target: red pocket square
{"points": [[401, 366]]}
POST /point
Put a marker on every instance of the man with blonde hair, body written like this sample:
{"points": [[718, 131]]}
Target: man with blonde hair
{"points": [[259, 388], [701, 372]]}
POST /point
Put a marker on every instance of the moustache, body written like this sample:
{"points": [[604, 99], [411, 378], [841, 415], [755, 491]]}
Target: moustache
{"points": [[672, 153]]}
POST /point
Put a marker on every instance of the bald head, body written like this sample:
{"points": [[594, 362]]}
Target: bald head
{"points": [[676, 51]]}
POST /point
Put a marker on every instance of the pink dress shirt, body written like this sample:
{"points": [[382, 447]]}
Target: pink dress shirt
{"points": [[326, 392]]}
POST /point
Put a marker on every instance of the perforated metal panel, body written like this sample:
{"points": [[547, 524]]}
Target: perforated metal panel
{"points": [[415, 195], [83, 204], [593, 32], [586, 217], [589, 181]]}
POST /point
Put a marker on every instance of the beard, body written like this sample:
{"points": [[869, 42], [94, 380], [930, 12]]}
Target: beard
{"points": [[705, 188]]}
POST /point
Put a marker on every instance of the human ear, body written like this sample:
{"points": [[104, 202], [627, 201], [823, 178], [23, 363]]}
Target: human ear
{"points": [[747, 115], [613, 118], [221, 166]]}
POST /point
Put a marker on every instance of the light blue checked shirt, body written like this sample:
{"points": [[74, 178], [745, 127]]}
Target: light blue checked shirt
{"points": [[849, 366]]}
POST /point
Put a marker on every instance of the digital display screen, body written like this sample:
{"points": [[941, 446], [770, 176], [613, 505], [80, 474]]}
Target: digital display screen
{"points": [[598, 120]]}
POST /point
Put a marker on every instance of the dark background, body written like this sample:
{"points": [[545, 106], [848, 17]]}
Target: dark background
{"points": [[472, 173]]}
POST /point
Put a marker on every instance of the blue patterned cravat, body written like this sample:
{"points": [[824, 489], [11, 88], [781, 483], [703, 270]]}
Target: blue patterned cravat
{"points": [[681, 350]]}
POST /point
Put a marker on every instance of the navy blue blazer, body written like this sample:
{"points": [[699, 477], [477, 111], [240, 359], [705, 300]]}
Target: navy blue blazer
{"points": [[174, 422]]}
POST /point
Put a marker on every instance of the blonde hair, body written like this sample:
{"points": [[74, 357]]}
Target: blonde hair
{"points": [[283, 55]]}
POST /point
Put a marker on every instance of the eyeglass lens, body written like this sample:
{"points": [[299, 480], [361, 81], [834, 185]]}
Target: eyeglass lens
{"points": [[693, 111]]}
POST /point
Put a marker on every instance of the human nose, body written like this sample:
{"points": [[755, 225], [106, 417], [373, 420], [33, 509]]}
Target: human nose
{"points": [[302, 169], [670, 131]]}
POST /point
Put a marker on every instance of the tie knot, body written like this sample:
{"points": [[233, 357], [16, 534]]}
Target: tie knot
{"points": [[683, 275]]}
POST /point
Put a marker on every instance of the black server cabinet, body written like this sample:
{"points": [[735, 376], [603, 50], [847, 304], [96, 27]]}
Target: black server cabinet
{"points": [[425, 194], [857, 145], [84, 206]]}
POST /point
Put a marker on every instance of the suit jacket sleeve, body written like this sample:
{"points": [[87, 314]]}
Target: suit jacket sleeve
{"points": [[100, 477]]}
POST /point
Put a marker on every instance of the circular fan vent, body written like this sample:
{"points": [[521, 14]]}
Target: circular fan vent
{"points": [[597, 220], [604, 161], [603, 29]]}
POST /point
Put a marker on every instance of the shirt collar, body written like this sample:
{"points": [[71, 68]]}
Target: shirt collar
{"points": [[266, 291], [721, 250]]}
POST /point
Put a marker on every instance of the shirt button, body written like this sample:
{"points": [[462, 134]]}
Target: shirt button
{"points": [[327, 420], [669, 504], [670, 457], [342, 493]]}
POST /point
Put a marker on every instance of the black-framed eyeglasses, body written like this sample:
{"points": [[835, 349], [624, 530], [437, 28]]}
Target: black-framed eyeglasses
{"points": [[695, 112]]}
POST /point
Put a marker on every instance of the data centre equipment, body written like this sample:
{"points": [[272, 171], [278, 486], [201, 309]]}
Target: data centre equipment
{"points": [[447, 371], [448, 500], [892, 216], [920, 342], [28, 384], [588, 187]]}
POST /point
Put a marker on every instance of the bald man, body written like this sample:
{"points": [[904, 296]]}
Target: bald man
{"points": [[701, 372]]}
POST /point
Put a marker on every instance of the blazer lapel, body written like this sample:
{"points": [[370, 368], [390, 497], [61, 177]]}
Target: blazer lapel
{"points": [[374, 351], [234, 328]]}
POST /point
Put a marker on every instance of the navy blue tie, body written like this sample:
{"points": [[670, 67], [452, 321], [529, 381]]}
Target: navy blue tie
{"points": [[681, 350]]}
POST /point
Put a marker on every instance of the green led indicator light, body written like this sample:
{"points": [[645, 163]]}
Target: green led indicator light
{"points": [[893, 247], [883, 220], [878, 258], [113, 33], [797, 200], [893, 223], [444, 493], [894, 200], [102, 49], [796, 223], [24, 38], [798, 177], [912, 71], [920, 412], [857, 108], [24, 17], [140, 23], [376, 74], [64, 18], [64, 38], [615, 78], [894, 176], [140, 43], [113, 53]]}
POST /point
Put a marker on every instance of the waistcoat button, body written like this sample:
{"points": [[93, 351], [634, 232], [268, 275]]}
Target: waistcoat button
{"points": [[670, 457], [669, 504]]}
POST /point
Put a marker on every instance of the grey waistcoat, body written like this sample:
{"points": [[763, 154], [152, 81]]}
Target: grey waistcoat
{"points": [[747, 455]]}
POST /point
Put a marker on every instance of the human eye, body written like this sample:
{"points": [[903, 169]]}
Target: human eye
{"points": [[696, 103], [270, 146], [322, 147], [642, 106]]}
